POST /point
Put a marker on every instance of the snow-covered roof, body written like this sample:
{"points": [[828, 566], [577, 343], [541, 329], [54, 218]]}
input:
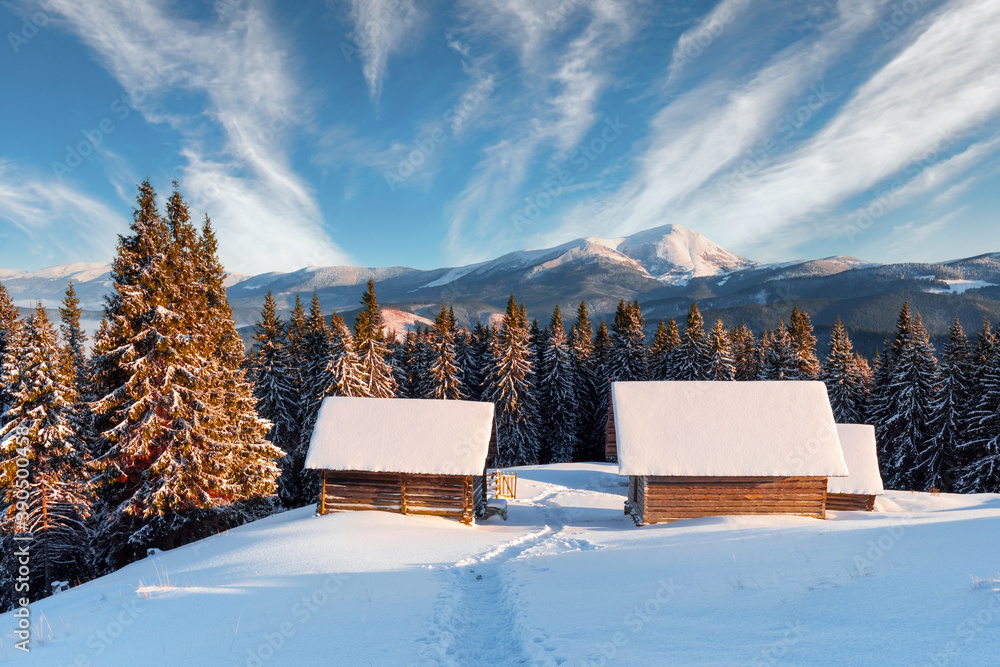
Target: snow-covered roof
{"points": [[723, 429], [431, 437], [858, 443]]}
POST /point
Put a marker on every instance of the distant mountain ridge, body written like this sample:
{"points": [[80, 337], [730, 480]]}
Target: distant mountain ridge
{"points": [[665, 268]]}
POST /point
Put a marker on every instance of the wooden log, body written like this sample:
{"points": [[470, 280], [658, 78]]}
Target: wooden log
{"points": [[850, 502]]}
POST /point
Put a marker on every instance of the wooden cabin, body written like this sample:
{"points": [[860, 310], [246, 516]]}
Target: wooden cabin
{"points": [[403, 455], [696, 449], [857, 491]]}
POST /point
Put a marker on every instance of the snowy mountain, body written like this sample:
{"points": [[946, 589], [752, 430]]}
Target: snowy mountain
{"points": [[567, 580], [665, 268]]}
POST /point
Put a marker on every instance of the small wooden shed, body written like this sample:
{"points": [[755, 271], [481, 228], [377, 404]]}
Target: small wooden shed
{"points": [[695, 449], [403, 455], [857, 491]]}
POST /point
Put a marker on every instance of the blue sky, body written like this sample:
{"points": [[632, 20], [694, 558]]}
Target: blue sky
{"points": [[396, 132]]}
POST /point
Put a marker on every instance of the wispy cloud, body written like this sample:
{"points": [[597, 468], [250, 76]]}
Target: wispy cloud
{"points": [[382, 27], [240, 65], [709, 128], [56, 216], [568, 74]]}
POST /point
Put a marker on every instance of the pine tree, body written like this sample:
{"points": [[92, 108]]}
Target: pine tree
{"points": [[803, 347], [51, 503], [8, 328], [445, 376], [694, 360], [722, 367], [345, 366], [277, 400], [911, 393], [73, 334], [600, 362], [980, 453], [182, 441], [370, 344], [746, 355], [560, 429], [843, 379], [509, 384], [297, 334], [581, 343], [231, 424], [949, 419], [985, 350], [664, 350], [779, 362], [466, 357], [628, 349]]}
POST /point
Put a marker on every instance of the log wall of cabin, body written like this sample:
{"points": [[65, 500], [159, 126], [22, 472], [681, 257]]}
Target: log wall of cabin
{"points": [[611, 441], [664, 499], [437, 495], [847, 502]]}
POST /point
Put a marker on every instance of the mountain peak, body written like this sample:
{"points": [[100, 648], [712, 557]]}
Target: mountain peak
{"points": [[675, 254]]}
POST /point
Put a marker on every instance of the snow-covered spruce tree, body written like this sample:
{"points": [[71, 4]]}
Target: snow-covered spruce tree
{"points": [[344, 368], [628, 344], [42, 428], [277, 400], [803, 347], [746, 354], [721, 353], [297, 333], [779, 361], [238, 428], [985, 349], [402, 364], [664, 351], [939, 461], [911, 394], [694, 358], [302, 486], [8, 327], [842, 377], [560, 427], [445, 376], [600, 362], [480, 355], [72, 334], [183, 444], [581, 343], [509, 384], [980, 453], [370, 344], [468, 362], [866, 377]]}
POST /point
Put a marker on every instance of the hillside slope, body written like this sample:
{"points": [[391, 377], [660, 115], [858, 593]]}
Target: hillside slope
{"points": [[567, 580]]}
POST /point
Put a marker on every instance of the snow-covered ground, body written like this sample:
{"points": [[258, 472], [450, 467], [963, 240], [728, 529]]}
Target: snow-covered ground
{"points": [[567, 580]]}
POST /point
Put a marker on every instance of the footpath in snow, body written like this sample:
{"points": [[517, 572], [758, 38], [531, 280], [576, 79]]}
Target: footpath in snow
{"points": [[567, 580]]}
